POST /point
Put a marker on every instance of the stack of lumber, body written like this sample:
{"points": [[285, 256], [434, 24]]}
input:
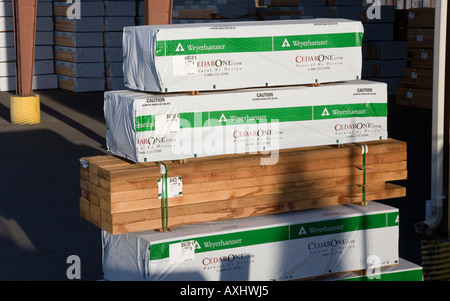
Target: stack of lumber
{"points": [[86, 57], [120, 196], [385, 56], [117, 15], [435, 260], [201, 11], [221, 193], [416, 86], [281, 9], [79, 61]]}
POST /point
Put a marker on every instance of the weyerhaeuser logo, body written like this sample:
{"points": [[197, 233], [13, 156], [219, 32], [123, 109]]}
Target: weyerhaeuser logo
{"points": [[220, 243], [301, 44], [199, 48]]}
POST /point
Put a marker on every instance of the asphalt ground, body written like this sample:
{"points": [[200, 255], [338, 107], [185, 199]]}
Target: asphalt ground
{"points": [[40, 226]]}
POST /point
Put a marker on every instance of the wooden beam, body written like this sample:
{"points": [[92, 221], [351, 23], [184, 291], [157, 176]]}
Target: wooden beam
{"points": [[158, 12], [119, 196], [24, 12]]}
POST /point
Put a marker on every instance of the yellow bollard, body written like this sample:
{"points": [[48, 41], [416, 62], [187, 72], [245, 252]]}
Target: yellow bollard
{"points": [[25, 109]]}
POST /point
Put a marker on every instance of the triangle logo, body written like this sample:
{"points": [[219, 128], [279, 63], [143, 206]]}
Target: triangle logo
{"points": [[223, 118], [285, 43], [179, 48], [197, 245], [302, 231], [325, 112]]}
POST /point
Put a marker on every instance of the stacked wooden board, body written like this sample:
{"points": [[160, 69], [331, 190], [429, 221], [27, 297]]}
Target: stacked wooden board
{"points": [[86, 57], [200, 11], [435, 260], [120, 196], [117, 15], [416, 86], [79, 60]]}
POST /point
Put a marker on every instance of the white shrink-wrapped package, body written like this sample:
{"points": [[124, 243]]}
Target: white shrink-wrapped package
{"points": [[144, 127], [233, 55], [285, 246]]}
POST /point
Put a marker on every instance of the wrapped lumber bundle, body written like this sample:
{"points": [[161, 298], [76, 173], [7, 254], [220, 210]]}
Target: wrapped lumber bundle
{"points": [[145, 127], [287, 246], [218, 56], [121, 196]]}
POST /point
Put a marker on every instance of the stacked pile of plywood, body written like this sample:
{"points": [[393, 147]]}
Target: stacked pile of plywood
{"points": [[118, 14], [88, 48], [416, 86], [200, 11], [282, 9], [79, 59]]}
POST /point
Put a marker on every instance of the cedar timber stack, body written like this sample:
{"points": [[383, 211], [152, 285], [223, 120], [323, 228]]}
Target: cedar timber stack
{"points": [[415, 89], [120, 196]]}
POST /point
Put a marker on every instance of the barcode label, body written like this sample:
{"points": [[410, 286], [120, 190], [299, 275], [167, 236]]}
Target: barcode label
{"points": [[184, 65], [174, 187], [182, 251], [167, 124]]}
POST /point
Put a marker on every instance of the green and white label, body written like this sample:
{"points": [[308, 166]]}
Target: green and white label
{"points": [[257, 44], [280, 233], [258, 116]]}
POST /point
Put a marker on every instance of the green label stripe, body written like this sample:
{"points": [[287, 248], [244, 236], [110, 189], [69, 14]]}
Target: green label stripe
{"points": [[281, 233], [257, 44], [317, 41], [212, 45], [259, 116], [350, 110]]}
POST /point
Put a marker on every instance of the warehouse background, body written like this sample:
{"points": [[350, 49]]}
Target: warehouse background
{"points": [[77, 59]]}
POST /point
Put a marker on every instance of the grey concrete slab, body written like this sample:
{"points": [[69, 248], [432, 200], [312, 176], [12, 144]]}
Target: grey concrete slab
{"points": [[40, 226]]}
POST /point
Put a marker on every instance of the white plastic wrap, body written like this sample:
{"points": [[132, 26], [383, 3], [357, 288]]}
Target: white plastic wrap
{"points": [[146, 127], [233, 55], [284, 246]]}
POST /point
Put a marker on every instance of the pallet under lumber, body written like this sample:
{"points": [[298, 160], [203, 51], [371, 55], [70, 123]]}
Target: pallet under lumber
{"points": [[120, 196]]}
